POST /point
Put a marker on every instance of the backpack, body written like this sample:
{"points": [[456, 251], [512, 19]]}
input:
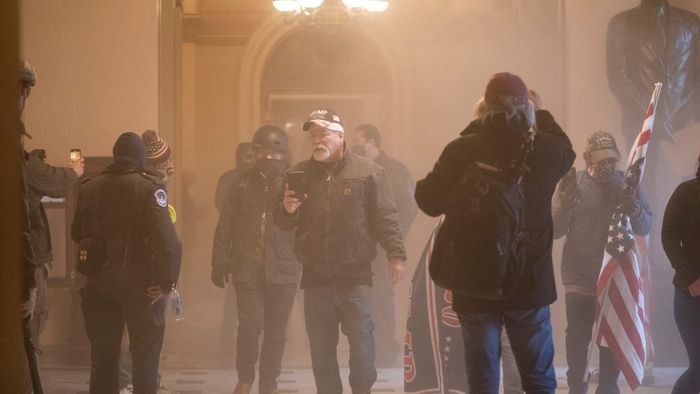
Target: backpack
{"points": [[480, 247]]}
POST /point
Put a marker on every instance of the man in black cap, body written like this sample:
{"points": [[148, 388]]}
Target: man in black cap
{"points": [[130, 254], [504, 117], [256, 255], [245, 160], [345, 210], [583, 206], [159, 162], [367, 142]]}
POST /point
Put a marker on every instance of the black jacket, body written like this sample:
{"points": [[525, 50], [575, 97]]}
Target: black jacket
{"points": [[44, 180], [246, 235], [638, 57], [127, 208], [680, 233], [551, 158], [226, 181], [348, 210]]}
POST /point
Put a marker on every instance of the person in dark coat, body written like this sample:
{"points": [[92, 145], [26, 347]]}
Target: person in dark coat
{"points": [[504, 115], [251, 251], [367, 142], [29, 267], [128, 242], [346, 209], [680, 236], [245, 160], [43, 180]]}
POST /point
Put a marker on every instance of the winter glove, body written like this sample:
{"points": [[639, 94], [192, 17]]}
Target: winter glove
{"points": [[26, 308], [219, 278], [569, 191], [630, 205]]}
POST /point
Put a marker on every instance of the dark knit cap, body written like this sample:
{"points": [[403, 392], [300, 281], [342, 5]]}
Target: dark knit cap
{"points": [[505, 84], [129, 150], [157, 149]]}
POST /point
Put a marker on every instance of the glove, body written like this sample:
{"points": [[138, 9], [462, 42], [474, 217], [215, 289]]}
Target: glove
{"points": [[219, 278], [630, 205], [26, 308], [569, 191]]}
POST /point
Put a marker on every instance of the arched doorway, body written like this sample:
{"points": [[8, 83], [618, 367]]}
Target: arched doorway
{"points": [[289, 69]]}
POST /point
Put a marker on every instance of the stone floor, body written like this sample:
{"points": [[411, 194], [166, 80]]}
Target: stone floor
{"points": [[218, 381]]}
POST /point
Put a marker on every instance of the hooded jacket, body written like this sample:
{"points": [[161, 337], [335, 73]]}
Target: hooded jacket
{"points": [[550, 159]]}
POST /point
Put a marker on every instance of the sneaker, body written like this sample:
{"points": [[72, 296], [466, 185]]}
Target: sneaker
{"points": [[129, 389]]}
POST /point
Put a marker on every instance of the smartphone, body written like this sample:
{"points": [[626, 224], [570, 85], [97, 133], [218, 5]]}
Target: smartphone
{"points": [[75, 154], [297, 183]]}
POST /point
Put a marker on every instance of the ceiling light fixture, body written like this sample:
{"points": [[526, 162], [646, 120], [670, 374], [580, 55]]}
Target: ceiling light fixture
{"points": [[310, 7]]}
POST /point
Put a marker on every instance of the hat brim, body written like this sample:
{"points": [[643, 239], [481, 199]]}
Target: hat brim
{"points": [[602, 154], [332, 126]]}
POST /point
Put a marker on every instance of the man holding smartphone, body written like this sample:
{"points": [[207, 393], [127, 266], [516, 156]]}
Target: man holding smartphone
{"points": [[43, 179], [345, 209]]}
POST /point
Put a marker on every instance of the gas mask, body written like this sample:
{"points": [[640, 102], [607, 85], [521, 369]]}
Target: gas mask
{"points": [[270, 166]]}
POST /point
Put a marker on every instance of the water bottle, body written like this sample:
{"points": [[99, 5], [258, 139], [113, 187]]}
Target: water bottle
{"points": [[176, 305]]}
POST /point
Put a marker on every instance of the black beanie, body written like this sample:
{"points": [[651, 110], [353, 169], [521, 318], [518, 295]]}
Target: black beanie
{"points": [[129, 150]]}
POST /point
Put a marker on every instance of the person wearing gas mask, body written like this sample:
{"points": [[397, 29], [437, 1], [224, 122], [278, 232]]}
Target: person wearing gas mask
{"points": [[253, 253], [583, 205]]}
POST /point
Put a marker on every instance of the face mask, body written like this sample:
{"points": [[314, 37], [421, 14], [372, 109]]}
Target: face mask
{"points": [[358, 149], [270, 166], [603, 172]]}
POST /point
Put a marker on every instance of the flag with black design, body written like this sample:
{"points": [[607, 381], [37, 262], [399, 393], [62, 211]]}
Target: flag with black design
{"points": [[433, 347]]}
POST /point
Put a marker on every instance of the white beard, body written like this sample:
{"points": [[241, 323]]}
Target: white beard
{"points": [[321, 153]]}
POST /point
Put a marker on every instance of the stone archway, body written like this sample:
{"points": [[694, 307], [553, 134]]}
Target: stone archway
{"points": [[276, 29]]}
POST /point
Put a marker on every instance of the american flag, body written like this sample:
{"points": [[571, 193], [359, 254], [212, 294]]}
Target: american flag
{"points": [[622, 321]]}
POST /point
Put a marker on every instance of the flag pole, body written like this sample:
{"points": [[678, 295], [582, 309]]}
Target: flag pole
{"points": [[634, 152]]}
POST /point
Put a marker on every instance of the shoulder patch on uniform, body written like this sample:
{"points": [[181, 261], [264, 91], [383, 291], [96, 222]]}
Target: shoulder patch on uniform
{"points": [[161, 198]]}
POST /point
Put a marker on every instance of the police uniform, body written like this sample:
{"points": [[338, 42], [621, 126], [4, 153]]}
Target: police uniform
{"points": [[125, 211]]}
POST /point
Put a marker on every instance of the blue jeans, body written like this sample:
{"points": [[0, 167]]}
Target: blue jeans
{"points": [[530, 334], [350, 307], [686, 310], [511, 376]]}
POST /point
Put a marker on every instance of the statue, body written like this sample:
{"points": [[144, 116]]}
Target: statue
{"points": [[655, 42]]}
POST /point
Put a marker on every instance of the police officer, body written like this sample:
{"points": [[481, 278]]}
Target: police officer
{"points": [[131, 256], [257, 256]]}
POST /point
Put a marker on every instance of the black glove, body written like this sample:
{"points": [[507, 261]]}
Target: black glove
{"points": [[219, 278], [630, 205]]}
